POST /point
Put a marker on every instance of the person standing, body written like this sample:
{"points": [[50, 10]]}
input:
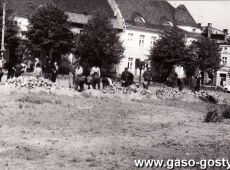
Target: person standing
{"points": [[126, 78], [36, 62], [54, 72], [95, 73], [10, 70], [47, 70], [147, 75], [79, 80], [180, 77], [2, 62], [37, 71]]}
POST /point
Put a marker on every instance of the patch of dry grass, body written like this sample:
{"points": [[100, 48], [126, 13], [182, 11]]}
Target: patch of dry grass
{"points": [[42, 131]]}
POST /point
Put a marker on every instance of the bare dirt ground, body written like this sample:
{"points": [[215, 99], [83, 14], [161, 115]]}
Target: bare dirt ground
{"points": [[41, 131]]}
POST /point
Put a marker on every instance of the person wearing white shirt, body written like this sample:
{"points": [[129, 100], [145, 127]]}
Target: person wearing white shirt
{"points": [[180, 76], [79, 80], [96, 74]]}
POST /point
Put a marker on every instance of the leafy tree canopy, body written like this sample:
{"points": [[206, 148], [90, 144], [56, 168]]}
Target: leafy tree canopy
{"points": [[99, 43], [50, 31], [170, 49], [205, 54]]}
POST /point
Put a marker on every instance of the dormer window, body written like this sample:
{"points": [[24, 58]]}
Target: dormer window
{"points": [[168, 23], [140, 19]]}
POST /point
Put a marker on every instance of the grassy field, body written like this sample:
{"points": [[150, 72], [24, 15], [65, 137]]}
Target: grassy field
{"points": [[43, 131]]}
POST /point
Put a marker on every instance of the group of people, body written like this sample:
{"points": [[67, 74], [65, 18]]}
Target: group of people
{"points": [[93, 79], [177, 77], [49, 69], [14, 70], [127, 78]]}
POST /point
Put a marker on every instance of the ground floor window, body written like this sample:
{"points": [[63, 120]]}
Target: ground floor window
{"points": [[130, 63], [223, 79]]}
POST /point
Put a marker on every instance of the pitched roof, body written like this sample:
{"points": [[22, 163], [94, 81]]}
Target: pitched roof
{"points": [[151, 10], [156, 12], [25, 7], [83, 19], [183, 17]]}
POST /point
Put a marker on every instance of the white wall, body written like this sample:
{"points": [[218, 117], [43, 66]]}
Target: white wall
{"points": [[132, 48], [225, 52]]}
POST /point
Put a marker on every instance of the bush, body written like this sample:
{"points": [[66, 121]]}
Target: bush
{"points": [[225, 111], [214, 115]]}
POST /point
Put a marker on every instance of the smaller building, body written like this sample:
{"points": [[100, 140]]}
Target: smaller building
{"points": [[221, 76]]}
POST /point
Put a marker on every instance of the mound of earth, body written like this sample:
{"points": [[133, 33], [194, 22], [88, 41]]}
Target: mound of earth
{"points": [[170, 93], [30, 82]]}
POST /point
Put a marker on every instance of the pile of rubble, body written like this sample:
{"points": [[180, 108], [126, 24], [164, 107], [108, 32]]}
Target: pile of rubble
{"points": [[168, 92], [116, 88], [30, 83]]}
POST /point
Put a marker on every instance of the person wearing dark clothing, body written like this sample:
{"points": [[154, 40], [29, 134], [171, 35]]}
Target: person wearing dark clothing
{"points": [[96, 74], [172, 79], [10, 70], [18, 70], [180, 84], [54, 72], [198, 84], [126, 78], [147, 78], [47, 70]]}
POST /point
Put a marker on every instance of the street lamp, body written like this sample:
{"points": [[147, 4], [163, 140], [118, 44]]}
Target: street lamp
{"points": [[3, 29]]}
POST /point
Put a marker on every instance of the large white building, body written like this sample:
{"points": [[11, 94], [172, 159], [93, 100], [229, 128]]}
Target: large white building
{"points": [[140, 23]]}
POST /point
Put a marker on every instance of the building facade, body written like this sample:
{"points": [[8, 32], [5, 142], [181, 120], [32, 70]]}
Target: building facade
{"points": [[222, 76], [140, 23]]}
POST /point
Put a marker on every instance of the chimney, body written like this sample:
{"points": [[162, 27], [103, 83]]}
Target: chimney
{"points": [[199, 24], [209, 24], [225, 31], [209, 30]]}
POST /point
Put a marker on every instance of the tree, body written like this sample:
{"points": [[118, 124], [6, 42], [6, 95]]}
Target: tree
{"points": [[99, 43], [140, 65], [169, 50], [205, 54], [50, 31], [11, 33]]}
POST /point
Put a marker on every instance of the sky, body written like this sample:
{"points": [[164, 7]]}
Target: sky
{"points": [[204, 12]]}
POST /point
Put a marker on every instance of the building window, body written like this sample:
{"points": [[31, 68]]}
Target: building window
{"points": [[224, 60], [130, 63], [130, 37], [225, 48], [194, 30], [141, 41], [153, 39]]}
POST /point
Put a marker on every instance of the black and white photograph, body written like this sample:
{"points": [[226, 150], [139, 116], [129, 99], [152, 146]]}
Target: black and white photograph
{"points": [[114, 84]]}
